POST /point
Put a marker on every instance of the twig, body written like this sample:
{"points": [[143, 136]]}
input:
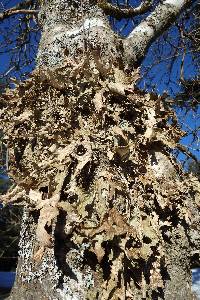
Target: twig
{"points": [[10, 12], [120, 12], [187, 152]]}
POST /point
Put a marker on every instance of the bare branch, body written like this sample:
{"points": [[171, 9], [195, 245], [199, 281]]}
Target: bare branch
{"points": [[140, 39], [120, 12], [26, 4], [187, 152], [20, 8], [9, 13]]}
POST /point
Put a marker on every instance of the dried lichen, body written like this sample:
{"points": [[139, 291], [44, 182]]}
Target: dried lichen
{"points": [[89, 159]]}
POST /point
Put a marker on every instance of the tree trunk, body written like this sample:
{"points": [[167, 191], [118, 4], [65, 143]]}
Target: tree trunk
{"points": [[108, 212]]}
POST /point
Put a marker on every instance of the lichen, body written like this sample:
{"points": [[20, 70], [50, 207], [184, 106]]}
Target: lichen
{"points": [[92, 166]]}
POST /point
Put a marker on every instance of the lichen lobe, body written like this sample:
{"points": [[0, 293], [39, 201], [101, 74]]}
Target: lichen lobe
{"points": [[87, 153]]}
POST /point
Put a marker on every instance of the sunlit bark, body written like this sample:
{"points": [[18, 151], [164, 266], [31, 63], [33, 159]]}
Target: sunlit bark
{"points": [[142, 36]]}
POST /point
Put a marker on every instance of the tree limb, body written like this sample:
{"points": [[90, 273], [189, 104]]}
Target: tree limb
{"points": [[120, 12], [20, 8], [26, 4], [142, 36], [187, 152], [8, 13]]}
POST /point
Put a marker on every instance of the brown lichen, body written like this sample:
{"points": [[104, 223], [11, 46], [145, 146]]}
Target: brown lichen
{"points": [[97, 150]]}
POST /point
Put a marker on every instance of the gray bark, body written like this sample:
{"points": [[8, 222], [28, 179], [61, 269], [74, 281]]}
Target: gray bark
{"points": [[72, 29], [140, 39]]}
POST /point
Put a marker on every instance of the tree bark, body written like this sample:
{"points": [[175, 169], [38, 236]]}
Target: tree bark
{"points": [[140, 39], [109, 214]]}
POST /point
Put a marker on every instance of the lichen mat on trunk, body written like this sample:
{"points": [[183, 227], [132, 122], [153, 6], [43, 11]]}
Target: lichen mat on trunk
{"points": [[108, 212]]}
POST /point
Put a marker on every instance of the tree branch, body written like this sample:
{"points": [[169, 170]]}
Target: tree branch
{"points": [[8, 13], [26, 4], [140, 39], [20, 8], [120, 12], [187, 152]]}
